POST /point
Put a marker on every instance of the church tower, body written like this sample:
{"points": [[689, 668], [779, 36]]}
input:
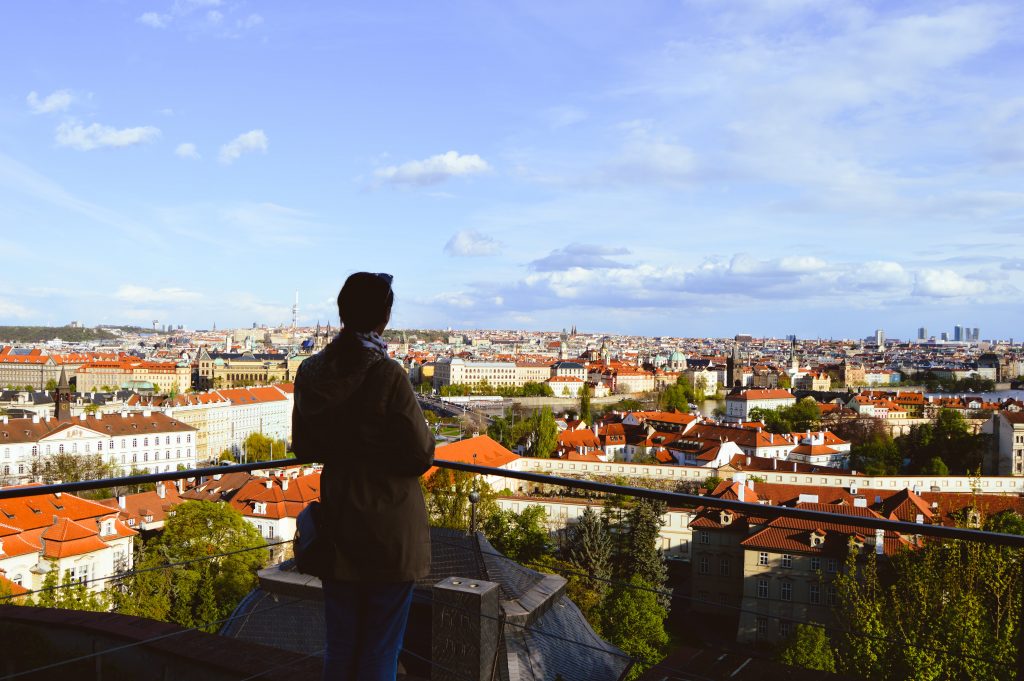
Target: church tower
{"points": [[731, 365], [62, 398]]}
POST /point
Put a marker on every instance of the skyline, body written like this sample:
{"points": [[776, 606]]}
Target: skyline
{"points": [[675, 169]]}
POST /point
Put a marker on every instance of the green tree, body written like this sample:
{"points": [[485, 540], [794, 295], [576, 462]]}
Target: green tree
{"points": [[641, 556], [879, 455], [589, 548], [543, 433], [259, 447], [447, 498], [933, 612], [935, 466], [51, 385], [200, 593], [61, 591], [523, 536], [810, 648], [633, 620], [585, 414]]}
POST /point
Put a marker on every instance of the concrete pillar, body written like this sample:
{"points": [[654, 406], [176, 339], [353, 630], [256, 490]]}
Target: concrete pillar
{"points": [[465, 631]]}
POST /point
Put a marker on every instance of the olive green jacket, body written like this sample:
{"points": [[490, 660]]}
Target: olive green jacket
{"points": [[355, 412]]}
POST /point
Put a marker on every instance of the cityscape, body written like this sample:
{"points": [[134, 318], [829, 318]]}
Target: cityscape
{"points": [[709, 313]]}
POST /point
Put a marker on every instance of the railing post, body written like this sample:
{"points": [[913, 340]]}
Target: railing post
{"points": [[466, 621], [1020, 624]]}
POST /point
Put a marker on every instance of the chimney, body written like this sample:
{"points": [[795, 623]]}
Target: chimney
{"points": [[35, 418], [268, 484], [748, 460], [284, 484], [741, 492], [879, 541], [121, 502], [160, 491], [775, 464], [794, 466]]}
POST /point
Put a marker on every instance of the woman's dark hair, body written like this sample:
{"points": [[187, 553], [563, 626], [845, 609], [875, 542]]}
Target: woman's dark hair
{"points": [[364, 302]]}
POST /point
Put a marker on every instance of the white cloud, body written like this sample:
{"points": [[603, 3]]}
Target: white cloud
{"points": [[946, 284], [214, 17], [186, 150], [154, 19], [12, 309], [471, 243], [579, 256], [254, 140], [434, 169], [85, 137], [142, 294], [55, 101], [250, 21]]}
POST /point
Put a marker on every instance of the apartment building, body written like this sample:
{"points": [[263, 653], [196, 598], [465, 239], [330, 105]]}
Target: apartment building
{"points": [[146, 440], [133, 373], [77, 537], [740, 405]]}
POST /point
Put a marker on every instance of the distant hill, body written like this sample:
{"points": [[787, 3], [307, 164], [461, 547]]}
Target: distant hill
{"points": [[40, 334]]}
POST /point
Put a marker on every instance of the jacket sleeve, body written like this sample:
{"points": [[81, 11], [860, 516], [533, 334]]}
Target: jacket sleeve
{"points": [[414, 443], [303, 438]]}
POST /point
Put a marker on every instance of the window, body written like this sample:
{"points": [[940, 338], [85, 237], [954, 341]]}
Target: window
{"points": [[145, 456], [723, 567], [145, 442], [21, 469], [762, 627], [833, 596], [762, 588], [703, 565], [815, 563], [762, 558], [785, 628], [705, 536], [135, 457], [35, 450], [188, 438], [99, 446], [787, 560], [135, 442], [60, 449], [833, 565], [786, 591], [814, 594], [167, 441]]}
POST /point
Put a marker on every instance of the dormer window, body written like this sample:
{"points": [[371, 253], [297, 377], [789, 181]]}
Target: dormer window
{"points": [[261, 508], [817, 538], [725, 518], [973, 518], [107, 527]]}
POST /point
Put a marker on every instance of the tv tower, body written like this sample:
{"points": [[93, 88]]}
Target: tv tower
{"points": [[295, 311]]}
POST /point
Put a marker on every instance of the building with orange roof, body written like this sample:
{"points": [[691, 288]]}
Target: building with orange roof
{"points": [[738, 406], [147, 511], [134, 373], [34, 367], [148, 440], [483, 451], [83, 539]]}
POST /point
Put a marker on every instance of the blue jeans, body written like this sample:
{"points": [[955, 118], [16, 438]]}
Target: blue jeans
{"points": [[365, 624]]}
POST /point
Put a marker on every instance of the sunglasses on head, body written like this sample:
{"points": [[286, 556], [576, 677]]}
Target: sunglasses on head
{"points": [[386, 277]]}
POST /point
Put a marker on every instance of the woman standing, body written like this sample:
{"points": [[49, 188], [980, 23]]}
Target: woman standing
{"points": [[355, 412]]}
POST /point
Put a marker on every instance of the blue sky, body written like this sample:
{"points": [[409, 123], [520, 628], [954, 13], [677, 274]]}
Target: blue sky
{"points": [[703, 167]]}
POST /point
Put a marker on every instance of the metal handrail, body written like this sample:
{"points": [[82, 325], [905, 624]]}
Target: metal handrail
{"points": [[675, 499]]}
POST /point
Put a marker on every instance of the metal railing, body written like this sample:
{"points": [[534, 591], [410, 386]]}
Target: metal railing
{"points": [[673, 499]]}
